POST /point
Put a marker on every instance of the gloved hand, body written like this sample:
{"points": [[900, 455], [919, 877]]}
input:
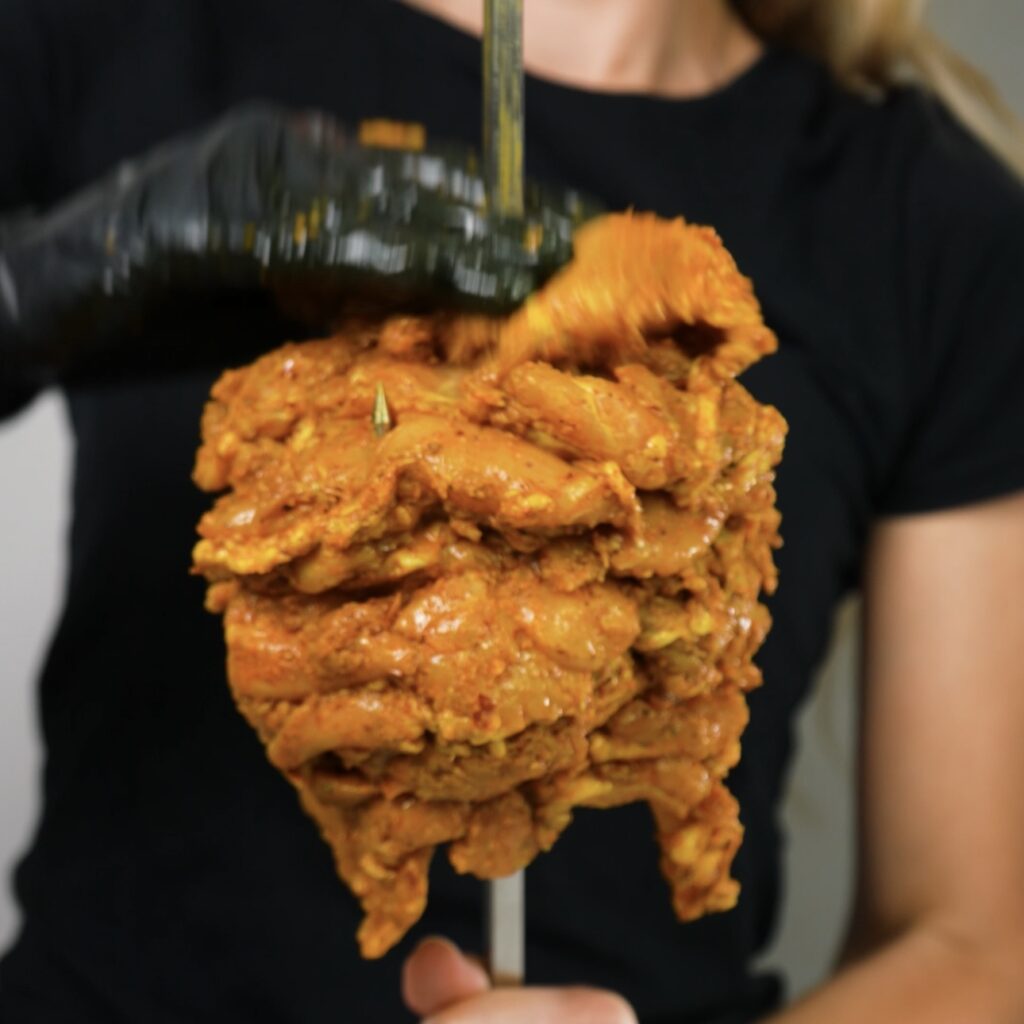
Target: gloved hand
{"points": [[262, 199]]}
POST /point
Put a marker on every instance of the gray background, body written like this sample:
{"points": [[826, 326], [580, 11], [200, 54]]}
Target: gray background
{"points": [[34, 468]]}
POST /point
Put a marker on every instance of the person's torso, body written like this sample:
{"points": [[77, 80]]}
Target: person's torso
{"points": [[174, 871]]}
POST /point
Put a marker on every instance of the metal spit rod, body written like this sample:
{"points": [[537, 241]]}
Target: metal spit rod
{"points": [[505, 916]]}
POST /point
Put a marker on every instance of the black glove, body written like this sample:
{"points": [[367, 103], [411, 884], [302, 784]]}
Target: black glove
{"points": [[264, 199]]}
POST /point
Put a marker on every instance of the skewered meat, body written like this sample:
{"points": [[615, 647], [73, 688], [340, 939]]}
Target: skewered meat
{"points": [[537, 591]]}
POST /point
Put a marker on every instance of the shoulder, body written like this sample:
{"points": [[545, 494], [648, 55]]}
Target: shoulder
{"points": [[917, 158], [959, 215], [960, 192], [917, 188], [900, 172], [962, 215]]}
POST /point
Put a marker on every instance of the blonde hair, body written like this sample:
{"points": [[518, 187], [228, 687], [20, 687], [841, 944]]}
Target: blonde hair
{"points": [[873, 44]]}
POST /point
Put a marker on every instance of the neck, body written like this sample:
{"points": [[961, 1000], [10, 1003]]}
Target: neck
{"points": [[678, 48]]}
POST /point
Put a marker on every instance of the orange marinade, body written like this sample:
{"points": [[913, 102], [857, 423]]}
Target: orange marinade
{"points": [[537, 590]]}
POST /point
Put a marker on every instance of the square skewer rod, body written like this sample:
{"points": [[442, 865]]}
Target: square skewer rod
{"points": [[506, 929], [505, 922], [503, 105]]}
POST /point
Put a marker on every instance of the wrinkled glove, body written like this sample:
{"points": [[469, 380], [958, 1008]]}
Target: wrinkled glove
{"points": [[264, 199]]}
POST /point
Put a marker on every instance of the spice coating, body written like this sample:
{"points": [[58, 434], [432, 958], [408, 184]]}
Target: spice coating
{"points": [[537, 589]]}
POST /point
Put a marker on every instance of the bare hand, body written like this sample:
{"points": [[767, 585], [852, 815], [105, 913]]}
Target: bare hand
{"points": [[440, 983]]}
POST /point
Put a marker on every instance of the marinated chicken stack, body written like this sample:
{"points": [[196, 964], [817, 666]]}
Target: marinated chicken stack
{"points": [[528, 583]]}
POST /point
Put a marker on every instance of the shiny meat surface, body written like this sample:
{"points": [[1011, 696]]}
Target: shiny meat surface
{"points": [[538, 590]]}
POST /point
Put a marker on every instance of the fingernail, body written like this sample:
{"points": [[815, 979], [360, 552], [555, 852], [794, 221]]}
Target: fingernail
{"points": [[444, 942]]}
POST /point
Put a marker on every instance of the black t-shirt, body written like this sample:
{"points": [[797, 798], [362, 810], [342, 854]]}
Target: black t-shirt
{"points": [[173, 877]]}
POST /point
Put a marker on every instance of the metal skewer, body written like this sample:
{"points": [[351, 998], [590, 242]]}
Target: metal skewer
{"points": [[505, 913], [503, 105], [505, 918]]}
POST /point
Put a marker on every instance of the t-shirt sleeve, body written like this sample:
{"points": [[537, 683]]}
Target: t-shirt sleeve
{"points": [[964, 437], [26, 119]]}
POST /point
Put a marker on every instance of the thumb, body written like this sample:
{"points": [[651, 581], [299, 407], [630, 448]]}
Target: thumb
{"points": [[437, 974]]}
